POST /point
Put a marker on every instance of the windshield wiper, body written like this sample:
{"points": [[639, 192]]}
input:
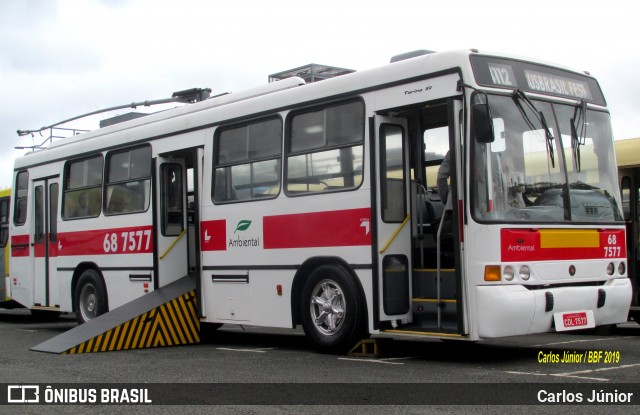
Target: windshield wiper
{"points": [[520, 95], [578, 139]]}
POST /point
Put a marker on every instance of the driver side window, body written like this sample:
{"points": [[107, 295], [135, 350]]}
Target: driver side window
{"points": [[436, 147]]}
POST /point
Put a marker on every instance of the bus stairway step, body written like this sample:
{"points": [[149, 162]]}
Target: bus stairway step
{"points": [[425, 313], [164, 317], [425, 283], [366, 348]]}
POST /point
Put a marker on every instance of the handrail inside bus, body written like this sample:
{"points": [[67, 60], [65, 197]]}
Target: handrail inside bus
{"points": [[404, 222], [173, 244]]}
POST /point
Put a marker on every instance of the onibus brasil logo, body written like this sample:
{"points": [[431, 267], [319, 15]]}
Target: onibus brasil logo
{"points": [[237, 241]]}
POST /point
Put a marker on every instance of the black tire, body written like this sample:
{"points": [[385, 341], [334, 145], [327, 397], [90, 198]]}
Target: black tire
{"points": [[333, 310], [90, 296]]}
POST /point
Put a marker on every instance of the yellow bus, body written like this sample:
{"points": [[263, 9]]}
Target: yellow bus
{"points": [[628, 159], [5, 203]]}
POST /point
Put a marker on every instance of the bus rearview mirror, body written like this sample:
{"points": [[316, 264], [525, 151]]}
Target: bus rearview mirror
{"points": [[482, 122]]}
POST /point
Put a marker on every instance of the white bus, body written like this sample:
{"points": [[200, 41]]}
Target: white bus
{"points": [[316, 205]]}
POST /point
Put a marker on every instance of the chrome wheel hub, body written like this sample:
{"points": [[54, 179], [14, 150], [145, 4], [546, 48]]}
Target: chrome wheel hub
{"points": [[327, 307]]}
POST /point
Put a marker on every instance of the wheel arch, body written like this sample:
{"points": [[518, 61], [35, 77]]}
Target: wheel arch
{"points": [[80, 269], [306, 269]]}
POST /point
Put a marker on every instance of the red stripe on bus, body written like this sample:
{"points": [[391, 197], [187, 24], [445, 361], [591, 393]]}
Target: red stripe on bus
{"points": [[20, 245], [350, 227], [38, 250], [118, 241], [519, 245]]}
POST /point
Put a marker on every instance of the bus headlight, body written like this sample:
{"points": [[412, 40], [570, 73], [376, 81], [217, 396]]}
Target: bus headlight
{"points": [[525, 273], [622, 268], [507, 273], [610, 268]]}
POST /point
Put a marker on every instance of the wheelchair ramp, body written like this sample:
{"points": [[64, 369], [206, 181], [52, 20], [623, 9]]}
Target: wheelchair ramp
{"points": [[165, 317]]}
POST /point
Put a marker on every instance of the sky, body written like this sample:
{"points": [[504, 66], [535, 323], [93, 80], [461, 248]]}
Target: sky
{"points": [[61, 58]]}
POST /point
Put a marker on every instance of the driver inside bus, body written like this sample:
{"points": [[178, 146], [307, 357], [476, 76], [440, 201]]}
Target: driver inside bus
{"points": [[442, 181]]}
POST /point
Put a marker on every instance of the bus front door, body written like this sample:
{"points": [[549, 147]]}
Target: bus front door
{"points": [[392, 221], [171, 202], [630, 186], [45, 242]]}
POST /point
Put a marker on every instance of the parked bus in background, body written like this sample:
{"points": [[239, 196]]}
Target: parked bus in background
{"points": [[628, 157], [5, 197], [315, 204]]}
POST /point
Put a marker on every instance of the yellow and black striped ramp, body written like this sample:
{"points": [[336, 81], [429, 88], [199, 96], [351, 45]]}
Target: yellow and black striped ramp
{"points": [[165, 317]]}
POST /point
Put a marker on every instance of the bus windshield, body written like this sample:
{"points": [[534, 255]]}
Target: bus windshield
{"points": [[549, 162]]}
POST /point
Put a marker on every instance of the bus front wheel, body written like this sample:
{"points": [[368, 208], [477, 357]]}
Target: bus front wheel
{"points": [[333, 311], [91, 297]]}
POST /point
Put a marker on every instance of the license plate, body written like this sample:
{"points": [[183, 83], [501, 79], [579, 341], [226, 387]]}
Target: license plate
{"points": [[574, 320]]}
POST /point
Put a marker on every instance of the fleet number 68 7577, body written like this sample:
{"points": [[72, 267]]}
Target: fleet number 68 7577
{"points": [[132, 241]]}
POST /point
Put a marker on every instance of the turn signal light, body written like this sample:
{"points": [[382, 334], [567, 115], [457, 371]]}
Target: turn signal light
{"points": [[492, 273]]}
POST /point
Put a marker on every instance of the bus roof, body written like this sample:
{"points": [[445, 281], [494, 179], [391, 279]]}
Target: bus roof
{"points": [[265, 98]]}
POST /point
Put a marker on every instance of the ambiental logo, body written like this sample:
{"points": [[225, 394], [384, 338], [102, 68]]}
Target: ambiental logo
{"points": [[239, 242], [243, 225]]}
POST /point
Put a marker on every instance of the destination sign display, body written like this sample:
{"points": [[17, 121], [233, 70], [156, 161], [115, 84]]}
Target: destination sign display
{"points": [[557, 85], [499, 72]]}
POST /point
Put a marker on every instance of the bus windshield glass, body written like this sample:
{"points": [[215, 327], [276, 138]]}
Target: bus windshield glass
{"points": [[549, 162]]}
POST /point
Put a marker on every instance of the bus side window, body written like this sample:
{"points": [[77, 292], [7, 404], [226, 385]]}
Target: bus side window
{"points": [[325, 149], [128, 184], [82, 193], [637, 200], [4, 221], [172, 200], [625, 190], [247, 162], [20, 211]]}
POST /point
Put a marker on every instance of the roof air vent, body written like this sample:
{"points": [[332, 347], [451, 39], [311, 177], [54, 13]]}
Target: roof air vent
{"points": [[409, 55], [311, 73]]}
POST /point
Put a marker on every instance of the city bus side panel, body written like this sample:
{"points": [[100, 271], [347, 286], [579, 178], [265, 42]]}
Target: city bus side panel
{"points": [[251, 254]]}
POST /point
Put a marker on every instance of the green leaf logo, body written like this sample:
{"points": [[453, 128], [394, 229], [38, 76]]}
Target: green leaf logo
{"points": [[243, 225]]}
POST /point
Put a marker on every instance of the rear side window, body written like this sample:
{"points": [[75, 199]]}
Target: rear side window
{"points": [[82, 194]]}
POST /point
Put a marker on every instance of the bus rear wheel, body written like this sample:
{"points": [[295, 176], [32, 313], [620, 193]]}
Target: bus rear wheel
{"points": [[91, 297], [333, 311]]}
